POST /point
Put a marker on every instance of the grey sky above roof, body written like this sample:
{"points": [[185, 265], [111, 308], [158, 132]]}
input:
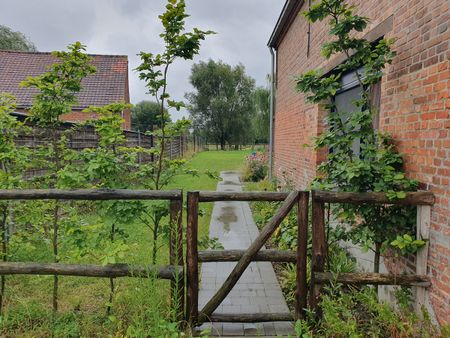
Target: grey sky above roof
{"points": [[130, 26]]}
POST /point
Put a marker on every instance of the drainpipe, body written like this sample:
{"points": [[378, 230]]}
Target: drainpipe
{"points": [[272, 108]]}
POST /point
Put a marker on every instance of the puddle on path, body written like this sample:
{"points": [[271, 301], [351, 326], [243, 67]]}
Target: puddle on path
{"points": [[230, 183], [227, 215]]}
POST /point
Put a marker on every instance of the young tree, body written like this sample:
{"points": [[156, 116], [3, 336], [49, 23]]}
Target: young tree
{"points": [[56, 96], [13, 164], [260, 122], [222, 105], [154, 68], [377, 167], [111, 165], [10, 40]]}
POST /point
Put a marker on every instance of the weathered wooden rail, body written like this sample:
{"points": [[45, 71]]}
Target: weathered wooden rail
{"points": [[245, 257], [110, 270], [173, 272]]}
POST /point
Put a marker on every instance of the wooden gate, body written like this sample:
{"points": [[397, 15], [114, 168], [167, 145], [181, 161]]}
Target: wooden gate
{"points": [[245, 257]]}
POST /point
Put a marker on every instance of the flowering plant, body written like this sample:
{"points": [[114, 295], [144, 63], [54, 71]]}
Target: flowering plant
{"points": [[255, 167]]}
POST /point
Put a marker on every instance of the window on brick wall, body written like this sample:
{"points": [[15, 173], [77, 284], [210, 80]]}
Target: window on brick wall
{"points": [[346, 96]]}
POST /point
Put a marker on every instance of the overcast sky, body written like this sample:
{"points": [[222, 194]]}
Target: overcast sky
{"points": [[130, 26]]}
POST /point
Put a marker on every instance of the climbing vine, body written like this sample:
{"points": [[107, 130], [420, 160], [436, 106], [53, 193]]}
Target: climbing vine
{"points": [[377, 166]]}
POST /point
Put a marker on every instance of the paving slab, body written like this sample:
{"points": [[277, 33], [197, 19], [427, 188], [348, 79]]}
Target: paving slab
{"points": [[257, 291]]}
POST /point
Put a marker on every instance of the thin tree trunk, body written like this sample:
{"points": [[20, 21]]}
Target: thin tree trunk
{"points": [[376, 262], [111, 280], [55, 254], [155, 240], [4, 253]]}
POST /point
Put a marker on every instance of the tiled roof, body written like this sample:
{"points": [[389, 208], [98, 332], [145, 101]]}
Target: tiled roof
{"points": [[107, 85]]}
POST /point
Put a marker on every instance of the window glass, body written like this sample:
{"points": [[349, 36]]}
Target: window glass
{"points": [[344, 107]]}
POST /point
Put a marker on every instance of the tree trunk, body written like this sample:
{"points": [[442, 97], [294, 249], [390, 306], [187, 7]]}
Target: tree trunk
{"points": [[4, 252], [55, 254], [111, 280], [155, 239], [376, 263]]}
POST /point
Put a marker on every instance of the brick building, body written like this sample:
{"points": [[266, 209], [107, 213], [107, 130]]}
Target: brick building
{"points": [[413, 99], [108, 85]]}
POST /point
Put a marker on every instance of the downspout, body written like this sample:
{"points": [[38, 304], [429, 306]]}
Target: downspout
{"points": [[272, 108]]}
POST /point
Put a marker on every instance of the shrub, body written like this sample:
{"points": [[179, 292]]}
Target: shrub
{"points": [[255, 167]]}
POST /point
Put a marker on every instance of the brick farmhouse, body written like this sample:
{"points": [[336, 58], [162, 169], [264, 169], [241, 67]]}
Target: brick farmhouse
{"points": [[414, 106], [108, 85]]}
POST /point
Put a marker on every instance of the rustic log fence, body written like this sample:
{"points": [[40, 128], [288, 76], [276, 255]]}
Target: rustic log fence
{"points": [[422, 199], [185, 280], [319, 277], [173, 272]]}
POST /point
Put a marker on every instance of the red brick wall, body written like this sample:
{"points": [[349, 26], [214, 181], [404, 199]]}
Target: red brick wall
{"points": [[79, 116], [414, 109]]}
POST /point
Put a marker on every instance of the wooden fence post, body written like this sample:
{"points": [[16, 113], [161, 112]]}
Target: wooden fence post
{"points": [[423, 232], [192, 257], [301, 291], [319, 249], [176, 254]]}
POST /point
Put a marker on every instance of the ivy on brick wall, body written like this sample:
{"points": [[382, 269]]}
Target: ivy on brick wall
{"points": [[376, 166]]}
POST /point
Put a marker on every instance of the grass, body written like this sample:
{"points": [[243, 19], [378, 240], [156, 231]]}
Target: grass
{"points": [[140, 307]]}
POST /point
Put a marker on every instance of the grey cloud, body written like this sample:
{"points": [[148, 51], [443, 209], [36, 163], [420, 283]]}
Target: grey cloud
{"points": [[129, 26]]}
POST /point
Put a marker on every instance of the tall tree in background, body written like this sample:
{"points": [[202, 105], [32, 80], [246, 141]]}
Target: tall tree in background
{"points": [[10, 40], [260, 122], [222, 106], [145, 115]]}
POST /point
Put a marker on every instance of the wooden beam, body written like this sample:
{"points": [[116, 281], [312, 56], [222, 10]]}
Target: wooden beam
{"points": [[246, 259], [214, 196], [109, 271], [301, 291], [235, 255], [373, 279], [252, 317], [192, 257], [319, 249], [422, 232], [412, 198], [89, 194]]}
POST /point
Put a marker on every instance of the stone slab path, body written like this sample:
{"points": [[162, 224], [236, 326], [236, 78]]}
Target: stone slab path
{"points": [[258, 290]]}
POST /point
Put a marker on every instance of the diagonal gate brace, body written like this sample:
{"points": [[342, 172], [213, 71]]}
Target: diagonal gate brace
{"points": [[248, 256]]}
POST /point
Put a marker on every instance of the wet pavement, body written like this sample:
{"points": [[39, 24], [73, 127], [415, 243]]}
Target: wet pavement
{"points": [[258, 290]]}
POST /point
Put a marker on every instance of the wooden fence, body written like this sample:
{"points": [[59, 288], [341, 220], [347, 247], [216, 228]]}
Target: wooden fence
{"points": [[174, 271], [84, 136], [422, 199]]}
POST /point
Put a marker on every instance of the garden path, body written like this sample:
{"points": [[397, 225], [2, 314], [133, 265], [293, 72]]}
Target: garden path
{"points": [[258, 290]]}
